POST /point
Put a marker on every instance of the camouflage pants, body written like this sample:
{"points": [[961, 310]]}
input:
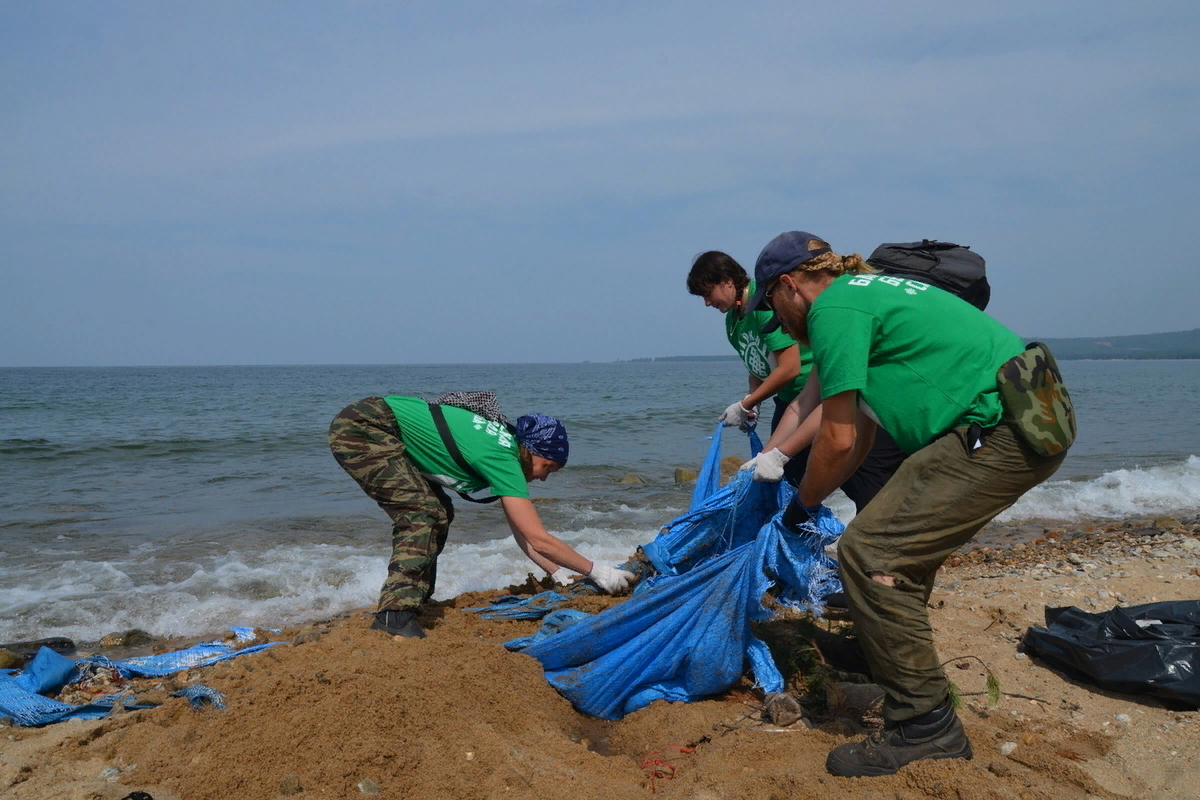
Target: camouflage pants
{"points": [[366, 442], [938, 499]]}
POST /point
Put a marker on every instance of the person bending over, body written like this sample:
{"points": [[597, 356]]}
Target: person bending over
{"points": [[927, 365], [391, 446], [777, 365], [785, 454]]}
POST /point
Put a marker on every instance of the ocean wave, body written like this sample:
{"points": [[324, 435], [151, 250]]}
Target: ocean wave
{"points": [[235, 444], [263, 576], [277, 587], [1172, 488], [499, 562], [16, 447]]}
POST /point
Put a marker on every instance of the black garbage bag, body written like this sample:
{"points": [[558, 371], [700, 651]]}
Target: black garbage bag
{"points": [[1152, 648]]}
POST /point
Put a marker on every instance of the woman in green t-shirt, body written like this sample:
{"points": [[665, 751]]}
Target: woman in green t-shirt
{"points": [[394, 448], [777, 366]]}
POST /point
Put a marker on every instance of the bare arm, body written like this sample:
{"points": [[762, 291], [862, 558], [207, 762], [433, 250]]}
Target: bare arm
{"points": [[801, 420], [543, 548], [842, 443]]}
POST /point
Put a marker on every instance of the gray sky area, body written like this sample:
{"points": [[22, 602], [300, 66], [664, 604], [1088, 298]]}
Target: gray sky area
{"points": [[386, 182]]}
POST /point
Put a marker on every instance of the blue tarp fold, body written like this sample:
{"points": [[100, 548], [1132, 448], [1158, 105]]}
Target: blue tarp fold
{"points": [[686, 632], [21, 693]]}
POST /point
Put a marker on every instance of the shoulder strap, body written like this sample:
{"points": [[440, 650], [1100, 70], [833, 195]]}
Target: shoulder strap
{"points": [[439, 421]]}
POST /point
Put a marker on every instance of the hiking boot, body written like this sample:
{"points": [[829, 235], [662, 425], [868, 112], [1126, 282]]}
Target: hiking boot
{"points": [[937, 734], [843, 653], [398, 623]]}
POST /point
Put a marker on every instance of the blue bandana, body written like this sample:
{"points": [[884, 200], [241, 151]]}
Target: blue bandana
{"points": [[543, 436]]}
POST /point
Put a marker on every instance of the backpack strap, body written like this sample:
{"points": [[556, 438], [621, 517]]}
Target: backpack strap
{"points": [[439, 421]]}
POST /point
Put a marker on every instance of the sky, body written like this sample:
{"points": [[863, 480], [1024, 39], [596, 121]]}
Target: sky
{"points": [[466, 182]]}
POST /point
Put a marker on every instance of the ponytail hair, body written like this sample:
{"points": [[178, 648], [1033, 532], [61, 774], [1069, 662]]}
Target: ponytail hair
{"points": [[836, 265]]}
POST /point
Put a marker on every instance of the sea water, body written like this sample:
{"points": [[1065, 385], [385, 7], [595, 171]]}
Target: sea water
{"points": [[182, 500]]}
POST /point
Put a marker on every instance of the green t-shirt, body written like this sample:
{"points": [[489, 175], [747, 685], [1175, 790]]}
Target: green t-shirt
{"points": [[757, 349], [487, 446], [923, 359]]}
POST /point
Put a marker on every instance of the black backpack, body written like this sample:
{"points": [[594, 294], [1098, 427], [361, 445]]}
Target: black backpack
{"points": [[948, 266]]}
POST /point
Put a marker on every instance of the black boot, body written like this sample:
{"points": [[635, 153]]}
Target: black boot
{"points": [[936, 734], [398, 623]]}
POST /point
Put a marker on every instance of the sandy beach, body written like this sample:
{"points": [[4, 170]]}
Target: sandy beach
{"points": [[341, 712]]}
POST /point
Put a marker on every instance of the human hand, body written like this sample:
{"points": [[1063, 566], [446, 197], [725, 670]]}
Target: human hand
{"points": [[767, 466], [610, 579], [738, 416], [796, 515], [562, 576]]}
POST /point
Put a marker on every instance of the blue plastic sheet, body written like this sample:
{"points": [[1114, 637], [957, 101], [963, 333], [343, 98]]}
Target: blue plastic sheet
{"points": [[200, 655], [720, 520], [708, 480], [686, 633], [21, 693], [514, 607]]}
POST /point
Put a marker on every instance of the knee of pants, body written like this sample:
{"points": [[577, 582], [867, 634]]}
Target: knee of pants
{"points": [[443, 515], [859, 561]]}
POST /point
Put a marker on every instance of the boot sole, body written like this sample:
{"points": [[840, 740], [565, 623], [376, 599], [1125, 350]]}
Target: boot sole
{"points": [[876, 772]]}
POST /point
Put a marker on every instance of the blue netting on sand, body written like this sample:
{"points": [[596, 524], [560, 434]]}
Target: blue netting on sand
{"points": [[200, 655], [685, 633], [201, 698], [22, 692]]}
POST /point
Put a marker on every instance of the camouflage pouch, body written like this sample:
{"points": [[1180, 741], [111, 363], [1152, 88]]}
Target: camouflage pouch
{"points": [[1036, 400]]}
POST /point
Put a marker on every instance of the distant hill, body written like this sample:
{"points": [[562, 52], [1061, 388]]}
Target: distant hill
{"points": [[1181, 344]]}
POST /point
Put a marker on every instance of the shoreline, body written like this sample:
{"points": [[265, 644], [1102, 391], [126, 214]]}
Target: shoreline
{"points": [[995, 537], [455, 715]]}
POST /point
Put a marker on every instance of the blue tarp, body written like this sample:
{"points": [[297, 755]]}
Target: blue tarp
{"points": [[21, 692], [720, 520], [685, 633]]}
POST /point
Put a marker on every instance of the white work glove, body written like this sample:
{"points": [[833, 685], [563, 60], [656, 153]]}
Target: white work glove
{"points": [[767, 466], [737, 415], [610, 579], [562, 576]]}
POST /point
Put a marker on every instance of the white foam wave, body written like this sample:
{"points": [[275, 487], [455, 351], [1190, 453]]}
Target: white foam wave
{"points": [[156, 589], [573, 515], [277, 587], [84, 600], [1172, 488], [499, 562], [1168, 489]]}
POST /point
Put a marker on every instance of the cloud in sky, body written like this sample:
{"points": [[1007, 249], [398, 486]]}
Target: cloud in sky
{"points": [[428, 182]]}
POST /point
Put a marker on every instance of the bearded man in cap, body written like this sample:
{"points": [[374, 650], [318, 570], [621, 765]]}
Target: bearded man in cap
{"points": [[924, 365]]}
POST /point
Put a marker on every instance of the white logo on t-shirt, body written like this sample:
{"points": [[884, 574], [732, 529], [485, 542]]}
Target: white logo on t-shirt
{"points": [[910, 286], [754, 353], [493, 428]]}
